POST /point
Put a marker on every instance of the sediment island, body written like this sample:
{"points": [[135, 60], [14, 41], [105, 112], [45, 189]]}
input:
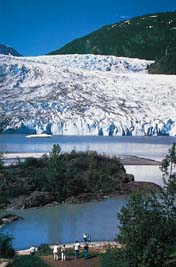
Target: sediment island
{"points": [[73, 177]]}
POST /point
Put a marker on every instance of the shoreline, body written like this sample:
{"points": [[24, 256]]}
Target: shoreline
{"points": [[95, 245], [127, 188], [13, 158]]}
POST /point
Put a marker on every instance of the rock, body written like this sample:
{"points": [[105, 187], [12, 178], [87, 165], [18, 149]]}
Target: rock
{"points": [[9, 218], [84, 197], [4, 264], [144, 187], [37, 199], [128, 178]]}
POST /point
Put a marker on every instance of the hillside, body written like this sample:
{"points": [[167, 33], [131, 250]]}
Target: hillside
{"points": [[7, 50], [148, 37], [85, 95], [165, 65]]}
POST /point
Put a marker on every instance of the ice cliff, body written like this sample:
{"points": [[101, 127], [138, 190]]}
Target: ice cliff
{"points": [[85, 95]]}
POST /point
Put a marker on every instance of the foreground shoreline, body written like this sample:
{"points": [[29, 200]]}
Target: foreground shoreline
{"points": [[99, 246]]}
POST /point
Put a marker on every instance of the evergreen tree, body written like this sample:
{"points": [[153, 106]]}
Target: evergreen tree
{"points": [[55, 175], [148, 224]]}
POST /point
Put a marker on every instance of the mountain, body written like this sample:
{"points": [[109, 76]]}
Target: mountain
{"points": [[7, 50], [85, 95], [149, 37], [165, 65]]}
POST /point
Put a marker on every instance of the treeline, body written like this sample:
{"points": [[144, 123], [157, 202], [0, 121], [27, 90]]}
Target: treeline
{"points": [[148, 37], [62, 175]]}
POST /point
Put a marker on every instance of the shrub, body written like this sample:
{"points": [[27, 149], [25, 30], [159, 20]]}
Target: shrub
{"points": [[6, 249], [28, 261], [44, 250]]}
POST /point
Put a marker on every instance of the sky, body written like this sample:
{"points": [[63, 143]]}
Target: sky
{"points": [[37, 27]]}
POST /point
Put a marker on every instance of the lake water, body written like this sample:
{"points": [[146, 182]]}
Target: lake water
{"points": [[142, 146], [66, 223]]}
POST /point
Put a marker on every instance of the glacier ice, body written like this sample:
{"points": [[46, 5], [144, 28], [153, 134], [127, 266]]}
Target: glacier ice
{"points": [[85, 95]]}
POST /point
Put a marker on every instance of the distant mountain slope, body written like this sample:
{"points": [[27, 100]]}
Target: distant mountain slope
{"points": [[165, 65], [147, 37], [7, 50], [85, 95]]}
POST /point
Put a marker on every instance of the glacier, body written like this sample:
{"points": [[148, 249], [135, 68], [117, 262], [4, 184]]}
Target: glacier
{"points": [[85, 95]]}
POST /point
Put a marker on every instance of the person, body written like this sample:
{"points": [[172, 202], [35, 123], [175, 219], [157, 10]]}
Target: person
{"points": [[89, 238], [55, 252], [63, 252], [76, 249], [85, 237], [86, 250], [32, 251]]}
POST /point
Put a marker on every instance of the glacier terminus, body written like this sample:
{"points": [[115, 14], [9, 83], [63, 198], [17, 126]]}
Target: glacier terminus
{"points": [[85, 95]]}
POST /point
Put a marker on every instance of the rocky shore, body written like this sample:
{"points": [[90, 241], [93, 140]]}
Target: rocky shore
{"points": [[9, 218], [39, 199]]}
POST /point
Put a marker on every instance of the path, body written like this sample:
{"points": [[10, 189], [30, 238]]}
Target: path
{"points": [[91, 262]]}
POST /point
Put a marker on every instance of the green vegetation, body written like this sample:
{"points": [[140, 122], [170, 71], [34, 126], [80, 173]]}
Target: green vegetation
{"points": [[61, 175], [147, 226], [1, 160], [165, 65], [6, 249], [148, 37], [28, 261], [44, 250]]}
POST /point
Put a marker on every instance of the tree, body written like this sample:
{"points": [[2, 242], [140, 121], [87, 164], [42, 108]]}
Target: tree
{"points": [[148, 223], [55, 175]]}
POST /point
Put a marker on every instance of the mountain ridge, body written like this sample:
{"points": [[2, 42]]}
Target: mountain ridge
{"points": [[145, 37], [7, 50]]}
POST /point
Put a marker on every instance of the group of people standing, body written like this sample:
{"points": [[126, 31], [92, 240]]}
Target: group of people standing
{"points": [[56, 249], [62, 249]]}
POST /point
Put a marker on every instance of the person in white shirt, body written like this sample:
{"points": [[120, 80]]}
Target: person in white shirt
{"points": [[76, 249], [63, 253], [55, 252]]}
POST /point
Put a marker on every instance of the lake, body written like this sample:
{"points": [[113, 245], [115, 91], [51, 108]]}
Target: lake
{"points": [[66, 223], [153, 147]]}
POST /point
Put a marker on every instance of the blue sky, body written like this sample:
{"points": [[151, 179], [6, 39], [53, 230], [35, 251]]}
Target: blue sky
{"points": [[36, 27]]}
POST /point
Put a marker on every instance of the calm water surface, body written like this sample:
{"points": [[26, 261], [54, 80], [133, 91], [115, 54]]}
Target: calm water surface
{"points": [[142, 146], [65, 223]]}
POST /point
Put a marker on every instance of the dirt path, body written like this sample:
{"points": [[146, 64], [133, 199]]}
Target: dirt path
{"points": [[70, 262]]}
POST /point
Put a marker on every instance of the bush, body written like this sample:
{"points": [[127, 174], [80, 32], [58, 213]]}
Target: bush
{"points": [[28, 261], [44, 250], [113, 258], [6, 249]]}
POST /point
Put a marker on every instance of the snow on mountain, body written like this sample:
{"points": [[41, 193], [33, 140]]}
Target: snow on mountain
{"points": [[85, 95]]}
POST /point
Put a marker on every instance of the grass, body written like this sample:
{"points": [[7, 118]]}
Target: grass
{"points": [[28, 261]]}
